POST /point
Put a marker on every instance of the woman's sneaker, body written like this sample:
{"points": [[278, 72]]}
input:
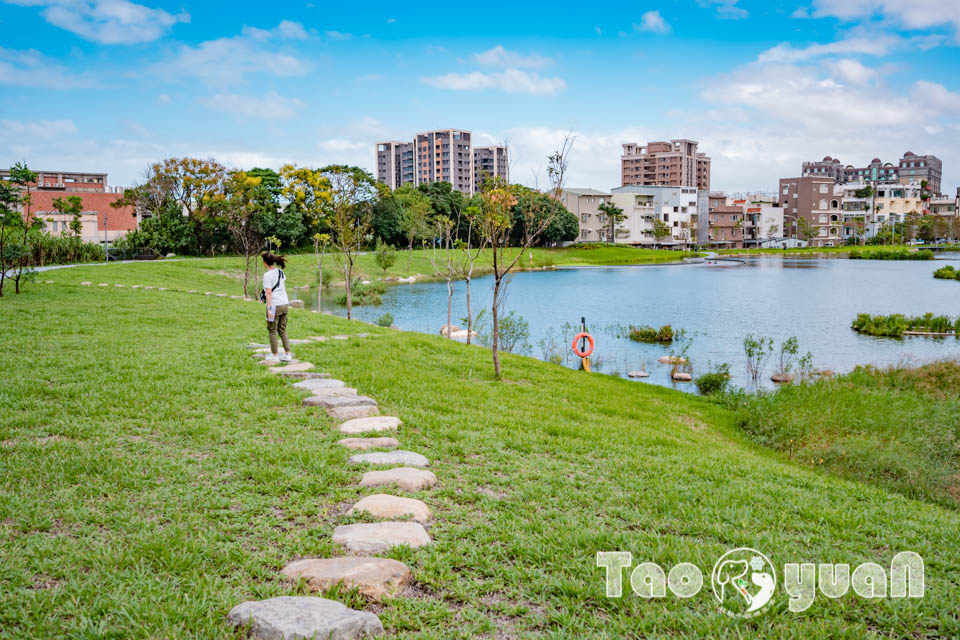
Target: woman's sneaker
{"points": [[286, 357], [272, 358]]}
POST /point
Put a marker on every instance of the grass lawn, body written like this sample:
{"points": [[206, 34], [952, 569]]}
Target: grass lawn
{"points": [[152, 476]]}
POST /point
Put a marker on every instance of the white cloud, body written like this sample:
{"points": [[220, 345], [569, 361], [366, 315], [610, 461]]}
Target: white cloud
{"points": [[391, 20], [910, 14], [937, 97], [875, 46], [41, 129], [226, 61], [286, 29], [652, 22], [852, 71], [30, 68], [163, 98], [498, 56], [726, 9], [509, 80], [269, 107], [338, 35], [107, 21]]}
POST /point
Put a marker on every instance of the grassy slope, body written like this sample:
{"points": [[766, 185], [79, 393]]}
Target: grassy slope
{"points": [[152, 476], [219, 274]]}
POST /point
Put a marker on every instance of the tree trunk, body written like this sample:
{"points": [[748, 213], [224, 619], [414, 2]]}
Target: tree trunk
{"points": [[449, 304], [495, 343], [469, 311], [409, 255], [246, 270], [348, 272]]}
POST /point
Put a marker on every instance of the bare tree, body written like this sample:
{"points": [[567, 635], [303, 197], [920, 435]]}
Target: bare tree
{"points": [[473, 215]]}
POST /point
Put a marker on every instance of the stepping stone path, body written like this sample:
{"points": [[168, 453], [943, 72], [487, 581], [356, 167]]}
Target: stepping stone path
{"points": [[382, 505], [319, 385], [369, 443], [331, 401], [286, 618], [366, 425], [378, 537], [374, 578], [407, 478], [349, 413], [291, 617], [281, 363], [408, 458]]}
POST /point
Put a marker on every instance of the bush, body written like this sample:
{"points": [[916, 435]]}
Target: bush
{"points": [[664, 334], [893, 326], [49, 249], [386, 256], [363, 294], [947, 273], [386, 320], [714, 382]]}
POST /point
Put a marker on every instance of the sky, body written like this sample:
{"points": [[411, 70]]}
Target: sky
{"points": [[113, 85]]}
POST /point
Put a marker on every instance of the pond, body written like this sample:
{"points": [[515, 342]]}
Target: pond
{"points": [[716, 305]]}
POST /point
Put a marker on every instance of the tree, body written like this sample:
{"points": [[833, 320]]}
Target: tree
{"points": [[473, 215], [444, 201], [352, 194], [320, 242], [805, 228], [18, 252], [195, 185], [73, 207], [416, 210], [496, 222], [388, 221], [660, 230], [531, 209], [772, 229], [309, 191], [11, 220], [385, 255], [445, 228], [243, 214], [614, 215]]}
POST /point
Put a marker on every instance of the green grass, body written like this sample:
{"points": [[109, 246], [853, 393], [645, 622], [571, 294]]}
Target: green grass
{"points": [[895, 427], [152, 476], [876, 252]]}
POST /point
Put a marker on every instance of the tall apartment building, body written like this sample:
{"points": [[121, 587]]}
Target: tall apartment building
{"points": [[818, 202], [97, 217], [910, 168], [444, 155], [673, 164], [585, 204], [490, 162]]}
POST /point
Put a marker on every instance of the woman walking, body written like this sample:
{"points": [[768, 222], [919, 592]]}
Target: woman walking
{"points": [[274, 293]]}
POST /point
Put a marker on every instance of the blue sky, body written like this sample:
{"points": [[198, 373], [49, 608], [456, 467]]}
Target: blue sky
{"points": [[112, 85]]}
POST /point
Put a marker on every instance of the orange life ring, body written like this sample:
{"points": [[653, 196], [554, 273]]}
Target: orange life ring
{"points": [[576, 349]]}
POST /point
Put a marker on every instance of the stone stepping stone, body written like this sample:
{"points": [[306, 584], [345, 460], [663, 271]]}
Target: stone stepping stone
{"points": [[363, 444], [366, 425], [208, 293], [221, 295], [137, 286], [119, 286], [332, 402], [236, 297], [349, 413], [293, 617], [382, 505], [293, 366], [103, 284], [304, 375], [281, 363], [407, 458], [318, 385], [341, 337], [148, 288], [318, 338], [407, 478], [378, 537], [374, 578], [162, 289], [86, 284], [638, 374], [261, 350], [300, 341], [330, 393], [257, 345]]}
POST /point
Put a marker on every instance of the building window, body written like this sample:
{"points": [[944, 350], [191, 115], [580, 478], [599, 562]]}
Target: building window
{"points": [[823, 188]]}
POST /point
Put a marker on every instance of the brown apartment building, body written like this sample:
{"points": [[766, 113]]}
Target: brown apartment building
{"points": [[671, 164], [814, 200], [445, 155], [725, 221]]}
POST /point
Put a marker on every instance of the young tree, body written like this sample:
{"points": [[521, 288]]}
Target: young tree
{"points": [[660, 230], [19, 252], [10, 222], [310, 191], [385, 255], [320, 242], [496, 222], [805, 228], [73, 207], [416, 210], [242, 213], [473, 215], [614, 215], [352, 194], [445, 231]]}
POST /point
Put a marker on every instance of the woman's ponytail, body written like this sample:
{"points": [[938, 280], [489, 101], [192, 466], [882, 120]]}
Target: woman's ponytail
{"points": [[271, 259]]}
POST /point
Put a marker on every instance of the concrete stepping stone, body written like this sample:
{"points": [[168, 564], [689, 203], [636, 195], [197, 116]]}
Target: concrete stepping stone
{"points": [[318, 385], [349, 413], [86, 284], [366, 425], [293, 366], [103, 284], [382, 505], [208, 293], [332, 402], [137, 286], [363, 444], [236, 297], [407, 478], [119, 286], [221, 295], [162, 289], [300, 341], [407, 458], [318, 338], [301, 617], [147, 288], [378, 537], [304, 375], [374, 578], [257, 345], [341, 337]]}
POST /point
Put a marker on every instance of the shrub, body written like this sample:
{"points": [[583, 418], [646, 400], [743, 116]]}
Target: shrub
{"points": [[893, 326], [363, 294], [386, 320], [648, 334], [386, 256], [947, 273], [713, 382], [891, 254]]}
